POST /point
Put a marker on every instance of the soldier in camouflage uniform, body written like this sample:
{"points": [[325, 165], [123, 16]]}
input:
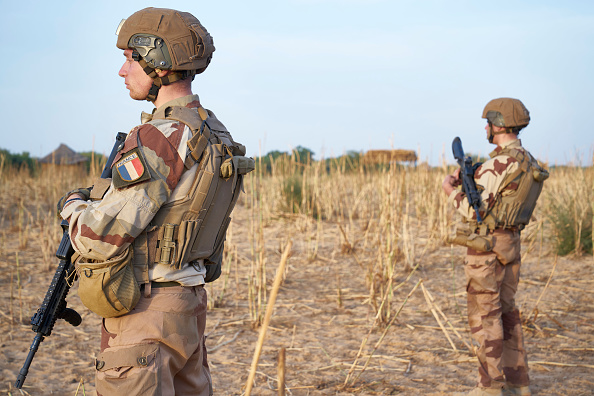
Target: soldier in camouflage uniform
{"points": [[158, 348], [493, 275]]}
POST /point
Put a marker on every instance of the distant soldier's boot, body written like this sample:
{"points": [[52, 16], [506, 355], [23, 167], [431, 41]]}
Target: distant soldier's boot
{"points": [[513, 391], [481, 392]]}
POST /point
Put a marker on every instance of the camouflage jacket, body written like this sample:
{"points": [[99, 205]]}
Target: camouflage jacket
{"points": [[147, 173], [488, 178]]}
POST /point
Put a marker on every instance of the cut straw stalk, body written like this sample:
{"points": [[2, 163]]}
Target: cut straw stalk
{"points": [[562, 364], [431, 301], [434, 312], [269, 309], [348, 379], [535, 309], [81, 383], [281, 372]]}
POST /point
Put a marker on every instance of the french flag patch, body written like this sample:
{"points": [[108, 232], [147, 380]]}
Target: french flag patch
{"points": [[130, 168]]}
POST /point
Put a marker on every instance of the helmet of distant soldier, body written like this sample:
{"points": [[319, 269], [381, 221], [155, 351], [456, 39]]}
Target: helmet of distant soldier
{"points": [[507, 113], [167, 40]]}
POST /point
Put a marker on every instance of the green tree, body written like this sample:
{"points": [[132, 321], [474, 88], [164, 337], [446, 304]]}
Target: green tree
{"points": [[19, 161], [303, 154]]}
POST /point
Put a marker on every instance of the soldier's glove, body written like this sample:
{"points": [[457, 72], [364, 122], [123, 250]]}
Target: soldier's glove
{"points": [[85, 192]]}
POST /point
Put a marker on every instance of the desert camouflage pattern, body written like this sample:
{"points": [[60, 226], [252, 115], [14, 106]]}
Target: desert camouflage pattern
{"points": [[103, 229], [158, 348], [492, 281], [494, 320], [488, 178]]}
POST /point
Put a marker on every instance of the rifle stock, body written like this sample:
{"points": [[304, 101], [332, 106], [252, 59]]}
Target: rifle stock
{"points": [[54, 305]]}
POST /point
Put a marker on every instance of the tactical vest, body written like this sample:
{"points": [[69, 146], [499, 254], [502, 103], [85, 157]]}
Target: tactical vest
{"points": [[194, 226], [515, 209]]}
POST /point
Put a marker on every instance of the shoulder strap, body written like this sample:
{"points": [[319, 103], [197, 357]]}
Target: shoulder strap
{"points": [[186, 115], [196, 121], [523, 159], [200, 131]]}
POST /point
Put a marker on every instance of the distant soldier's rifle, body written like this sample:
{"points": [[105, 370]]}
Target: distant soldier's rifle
{"points": [[467, 177], [54, 304]]}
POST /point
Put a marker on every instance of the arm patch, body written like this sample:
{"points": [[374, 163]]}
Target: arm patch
{"points": [[130, 169]]}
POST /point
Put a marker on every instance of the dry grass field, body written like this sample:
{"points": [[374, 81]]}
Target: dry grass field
{"points": [[372, 300]]}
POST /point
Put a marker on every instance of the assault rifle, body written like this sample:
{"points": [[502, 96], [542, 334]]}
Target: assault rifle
{"points": [[54, 305], [467, 177]]}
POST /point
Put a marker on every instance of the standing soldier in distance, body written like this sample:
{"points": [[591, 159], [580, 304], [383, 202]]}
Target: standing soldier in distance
{"points": [[158, 347], [509, 184]]}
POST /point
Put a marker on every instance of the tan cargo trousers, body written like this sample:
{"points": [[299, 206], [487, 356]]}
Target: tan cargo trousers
{"points": [[492, 314], [158, 348]]}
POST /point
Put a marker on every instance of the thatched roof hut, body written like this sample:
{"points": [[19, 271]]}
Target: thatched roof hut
{"points": [[389, 156], [64, 155]]}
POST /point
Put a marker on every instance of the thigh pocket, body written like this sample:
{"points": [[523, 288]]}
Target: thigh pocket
{"points": [[131, 370], [484, 274], [507, 248]]}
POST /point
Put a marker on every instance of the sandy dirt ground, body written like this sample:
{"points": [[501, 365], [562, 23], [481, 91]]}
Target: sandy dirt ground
{"points": [[322, 315]]}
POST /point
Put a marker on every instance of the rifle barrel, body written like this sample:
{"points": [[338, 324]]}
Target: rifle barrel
{"points": [[25, 370]]}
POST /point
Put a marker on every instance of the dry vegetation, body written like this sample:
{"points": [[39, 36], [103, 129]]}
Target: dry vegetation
{"points": [[372, 301], [389, 156]]}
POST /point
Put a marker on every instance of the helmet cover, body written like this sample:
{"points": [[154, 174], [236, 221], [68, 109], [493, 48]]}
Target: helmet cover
{"points": [[167, 39], [506, 113]]}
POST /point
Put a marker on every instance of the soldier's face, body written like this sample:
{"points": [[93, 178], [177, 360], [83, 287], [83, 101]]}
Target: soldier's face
{"points": [[136, 80]]}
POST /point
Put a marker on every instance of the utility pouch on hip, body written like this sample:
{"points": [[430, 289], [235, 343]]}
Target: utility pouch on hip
{"points": [[474, 241], [108, 288]]}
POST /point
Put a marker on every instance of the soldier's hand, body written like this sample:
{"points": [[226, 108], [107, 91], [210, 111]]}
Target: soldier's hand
{"points": [[451, 182], [79, 193]]}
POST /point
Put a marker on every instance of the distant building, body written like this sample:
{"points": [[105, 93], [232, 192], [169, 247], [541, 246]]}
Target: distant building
{"points": [[390, 156], [65, 157]]}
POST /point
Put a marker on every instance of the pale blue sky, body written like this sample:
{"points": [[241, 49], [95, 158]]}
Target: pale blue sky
{"points": [[329, 75]]}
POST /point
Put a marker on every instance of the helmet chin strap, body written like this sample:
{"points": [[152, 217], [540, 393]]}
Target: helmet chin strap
{"points": [[492, 133], [158, 82], [152, 73]]}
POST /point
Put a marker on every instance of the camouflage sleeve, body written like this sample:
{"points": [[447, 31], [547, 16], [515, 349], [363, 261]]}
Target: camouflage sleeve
{"points": [[488, 177], [144, 175]]}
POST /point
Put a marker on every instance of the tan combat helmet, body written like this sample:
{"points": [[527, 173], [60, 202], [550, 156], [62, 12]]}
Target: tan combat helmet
{"points": [[507, 113], [165, 39]]}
